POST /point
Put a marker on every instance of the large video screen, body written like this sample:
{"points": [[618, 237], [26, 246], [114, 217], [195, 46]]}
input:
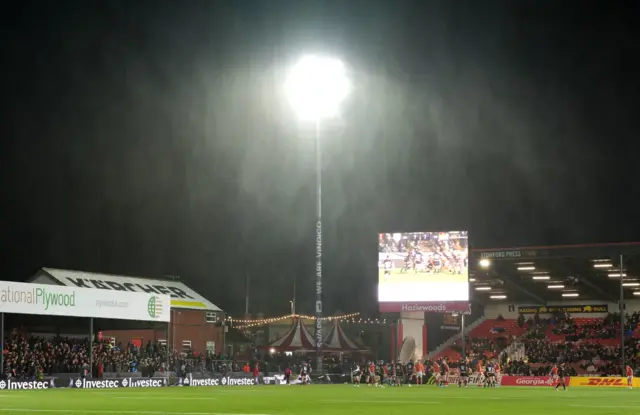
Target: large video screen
{"points": [[423, 267]]}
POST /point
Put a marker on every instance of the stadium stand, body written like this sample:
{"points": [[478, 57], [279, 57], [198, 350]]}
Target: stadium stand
{"points": [[31, 357], [486, 340], [587, 345]]}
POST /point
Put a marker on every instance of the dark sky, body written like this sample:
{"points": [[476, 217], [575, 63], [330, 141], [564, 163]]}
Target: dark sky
{"points": [[152, 138]]}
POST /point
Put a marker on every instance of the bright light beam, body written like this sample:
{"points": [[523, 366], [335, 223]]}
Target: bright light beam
{"points": [[316, 86]]}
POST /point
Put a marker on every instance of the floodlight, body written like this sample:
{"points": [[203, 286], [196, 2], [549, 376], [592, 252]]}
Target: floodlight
{"points": [[316, 86], [485, 263]]}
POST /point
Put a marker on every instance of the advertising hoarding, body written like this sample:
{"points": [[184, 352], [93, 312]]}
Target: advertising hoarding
{"points": [[530, 381], [573, 309], [603, 382], [181, 295], [423, 271], [43, 299]]}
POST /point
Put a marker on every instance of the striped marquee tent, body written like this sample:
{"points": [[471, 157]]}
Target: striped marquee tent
{"points": [[297, 339], [337, 341]]}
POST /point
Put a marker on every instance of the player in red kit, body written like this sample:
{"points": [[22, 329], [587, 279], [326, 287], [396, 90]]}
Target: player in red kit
{"points": [[554, 375], [435, 369], [629, 377], [560, 375], [444, 374], [371, 375], [256, 373]]}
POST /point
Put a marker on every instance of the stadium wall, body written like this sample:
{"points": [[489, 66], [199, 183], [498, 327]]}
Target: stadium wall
{"points": [[185, 325], [492, 311]]}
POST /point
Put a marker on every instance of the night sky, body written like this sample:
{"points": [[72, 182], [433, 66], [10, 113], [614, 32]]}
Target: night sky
{"points": [[152, 138]]}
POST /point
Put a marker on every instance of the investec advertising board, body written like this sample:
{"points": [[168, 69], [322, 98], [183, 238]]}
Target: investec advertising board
{"points": [[39, 299], [423, 272]]}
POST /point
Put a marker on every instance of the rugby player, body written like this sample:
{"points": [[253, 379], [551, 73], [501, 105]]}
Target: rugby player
{"points": [[554, 375], [435, 369], [490, 375], [419, 367], [560, 374], [356, 375], [444, 373], [464, 373]]}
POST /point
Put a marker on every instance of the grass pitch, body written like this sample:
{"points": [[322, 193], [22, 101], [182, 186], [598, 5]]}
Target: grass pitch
{"points": [[322, 399]]}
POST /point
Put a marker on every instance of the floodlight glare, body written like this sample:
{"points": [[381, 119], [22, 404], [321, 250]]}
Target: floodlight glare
{"points": [[316, 86]]}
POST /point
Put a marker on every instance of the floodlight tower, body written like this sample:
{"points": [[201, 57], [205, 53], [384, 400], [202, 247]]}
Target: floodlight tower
{"points": [[315, 88]]}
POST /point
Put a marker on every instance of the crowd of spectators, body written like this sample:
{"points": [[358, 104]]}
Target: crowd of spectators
{"points": [[31, 357], [588, 345]]}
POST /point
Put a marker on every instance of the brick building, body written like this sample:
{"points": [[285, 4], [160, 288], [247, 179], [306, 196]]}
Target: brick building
{"points": [[194, 321]]}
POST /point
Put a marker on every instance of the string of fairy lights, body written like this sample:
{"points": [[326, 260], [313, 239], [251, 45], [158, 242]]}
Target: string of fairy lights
{"points": [[352, 318]]}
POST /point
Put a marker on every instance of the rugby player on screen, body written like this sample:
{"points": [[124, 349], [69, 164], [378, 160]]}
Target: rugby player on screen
{"points": [[388, 266], [408, 261], [629, 377]]}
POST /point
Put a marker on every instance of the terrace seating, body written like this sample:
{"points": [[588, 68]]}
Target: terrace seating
{"points": [[486, 340], [27, 356]]}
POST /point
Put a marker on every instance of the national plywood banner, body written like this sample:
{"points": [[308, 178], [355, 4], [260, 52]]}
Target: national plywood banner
{"points": [[40, 299]]}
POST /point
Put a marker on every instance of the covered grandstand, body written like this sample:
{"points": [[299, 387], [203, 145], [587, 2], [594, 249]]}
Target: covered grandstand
{"points": [[545, 304], [195, 321], [72, 343]]}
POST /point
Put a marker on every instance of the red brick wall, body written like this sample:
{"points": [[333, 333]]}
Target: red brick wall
{"points": [[185, 325]]}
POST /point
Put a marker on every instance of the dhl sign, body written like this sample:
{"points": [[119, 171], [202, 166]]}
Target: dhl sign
{"points": [[603, 382]]}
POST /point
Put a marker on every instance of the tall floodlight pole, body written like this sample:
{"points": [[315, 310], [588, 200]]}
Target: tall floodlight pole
{"points": [[622, 316], [315, 87]]}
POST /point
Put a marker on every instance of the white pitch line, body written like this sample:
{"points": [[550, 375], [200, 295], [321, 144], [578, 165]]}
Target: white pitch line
{"points": [[167, 398], [380, 401], [95, 411], [604, 406]]}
